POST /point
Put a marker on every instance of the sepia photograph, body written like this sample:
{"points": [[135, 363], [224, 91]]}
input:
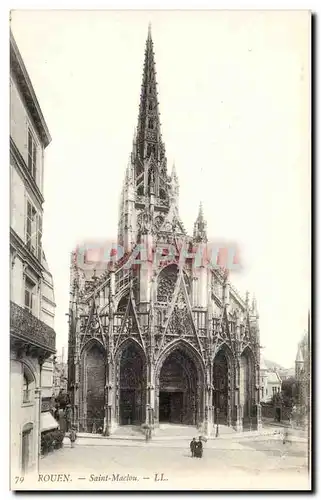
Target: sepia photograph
{"points": [[160, 250]]}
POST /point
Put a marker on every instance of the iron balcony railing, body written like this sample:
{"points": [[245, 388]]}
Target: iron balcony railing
{"points": [[25, 326]]}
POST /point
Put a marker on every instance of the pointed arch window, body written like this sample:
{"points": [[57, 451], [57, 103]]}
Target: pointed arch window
{"points": [[26, 391], [150, 124], [151, 149], [150, 106]]}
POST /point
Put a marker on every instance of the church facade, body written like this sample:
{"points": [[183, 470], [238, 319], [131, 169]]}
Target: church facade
{"points": [[154, 337]]}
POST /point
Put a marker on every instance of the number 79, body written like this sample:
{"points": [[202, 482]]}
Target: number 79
{"points": [[19, 479]]}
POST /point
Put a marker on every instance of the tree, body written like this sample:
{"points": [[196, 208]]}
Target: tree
{"points": [[290, 391]]}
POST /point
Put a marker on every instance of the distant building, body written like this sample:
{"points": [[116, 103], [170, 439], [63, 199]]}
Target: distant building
{"points": [[286, 373], [60, 376], [32, 306], [270, 383]]}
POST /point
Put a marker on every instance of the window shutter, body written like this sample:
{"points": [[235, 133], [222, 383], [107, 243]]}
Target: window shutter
{"points": [[29, 151], [39, 239], [34, 161], [33, 302], [27, 298], [29, 223]]}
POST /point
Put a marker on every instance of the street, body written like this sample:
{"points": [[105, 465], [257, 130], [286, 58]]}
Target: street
{"points": [[257, 462]]}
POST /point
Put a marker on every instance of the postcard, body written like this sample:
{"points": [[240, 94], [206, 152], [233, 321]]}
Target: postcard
{"points": [[160, 250]]}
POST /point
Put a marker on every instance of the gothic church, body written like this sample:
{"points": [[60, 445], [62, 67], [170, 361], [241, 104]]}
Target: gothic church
{"points": [[159, 341]]}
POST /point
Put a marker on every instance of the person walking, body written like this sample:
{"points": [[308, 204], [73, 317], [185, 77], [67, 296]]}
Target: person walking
{"points": [[199, 448], [72, 437], [192, 447]]}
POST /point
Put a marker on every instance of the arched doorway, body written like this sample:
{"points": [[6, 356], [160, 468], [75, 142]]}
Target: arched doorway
{"points": [[221, 387], [179, 397], [132, 385], [94, 372], [247, 382]]}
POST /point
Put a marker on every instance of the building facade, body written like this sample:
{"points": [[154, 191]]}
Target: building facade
{"points": [[153, 337], [60, 379], [32, 306], [271, 383]]}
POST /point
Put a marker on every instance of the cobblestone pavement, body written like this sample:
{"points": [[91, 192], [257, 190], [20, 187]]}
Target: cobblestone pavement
{"points": [[249, 464]]}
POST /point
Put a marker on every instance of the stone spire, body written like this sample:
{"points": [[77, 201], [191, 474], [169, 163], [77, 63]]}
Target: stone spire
{"points": [[299, 356], [134, 148], [148, 155], [148, 140], [199, 234]]}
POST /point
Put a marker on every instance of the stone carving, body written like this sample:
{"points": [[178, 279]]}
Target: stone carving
{"points": [[144, 222], [94, 326], [180, 322], [158, 222], [166, 285]]}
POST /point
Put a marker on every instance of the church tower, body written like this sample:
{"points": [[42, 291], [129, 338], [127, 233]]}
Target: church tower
{"points": [[146, 190]]}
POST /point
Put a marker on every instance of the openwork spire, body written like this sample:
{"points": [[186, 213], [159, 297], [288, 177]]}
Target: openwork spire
{"points": [[200, 227], [148, 141]]}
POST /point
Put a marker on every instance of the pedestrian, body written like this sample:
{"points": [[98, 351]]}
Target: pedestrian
{"points": [[286, 437], [192, 447], [62, 420], [72, 437], [148, 434], [199, 448]]}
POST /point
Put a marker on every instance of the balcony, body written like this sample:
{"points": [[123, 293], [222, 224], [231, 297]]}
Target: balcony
{"points": [[25, 327]]}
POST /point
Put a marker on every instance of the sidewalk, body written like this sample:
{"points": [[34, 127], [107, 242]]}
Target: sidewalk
{"points": [[223, 440]]}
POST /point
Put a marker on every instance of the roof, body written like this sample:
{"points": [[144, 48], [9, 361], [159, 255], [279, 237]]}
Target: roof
{"points": [[273, 378], [19, 69]]}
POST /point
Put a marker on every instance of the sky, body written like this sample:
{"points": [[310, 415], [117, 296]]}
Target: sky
{"points": [[234, 101]]}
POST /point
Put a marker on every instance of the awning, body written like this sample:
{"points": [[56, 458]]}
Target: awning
{"points": [[48, 422]]}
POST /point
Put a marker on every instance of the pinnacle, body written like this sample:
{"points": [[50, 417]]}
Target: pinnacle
{"points": [[173, 174], [200, 225]]}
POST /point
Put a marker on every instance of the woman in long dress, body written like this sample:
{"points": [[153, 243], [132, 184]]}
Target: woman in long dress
{"points": [[199, 448]]}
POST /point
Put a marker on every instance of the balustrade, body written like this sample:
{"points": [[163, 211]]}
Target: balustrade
{"points": [[25, 326]]}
